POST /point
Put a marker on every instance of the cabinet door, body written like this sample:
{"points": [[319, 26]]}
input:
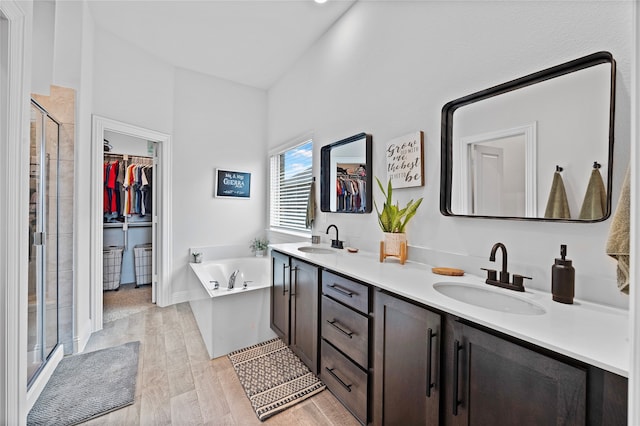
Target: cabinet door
{"points": [[493, 381], [304, 312], [406, 366], [280, 285]]}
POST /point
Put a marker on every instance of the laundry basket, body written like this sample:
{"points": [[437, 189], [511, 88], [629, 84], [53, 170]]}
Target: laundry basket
{"points": [[111, 267], [142, 261]]}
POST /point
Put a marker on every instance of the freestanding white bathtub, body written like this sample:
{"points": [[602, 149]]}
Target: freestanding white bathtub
{"points": [[233, 319]]}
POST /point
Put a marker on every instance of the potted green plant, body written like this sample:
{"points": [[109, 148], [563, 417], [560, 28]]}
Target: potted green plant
{"points": [[259, 246], [393, 221]]}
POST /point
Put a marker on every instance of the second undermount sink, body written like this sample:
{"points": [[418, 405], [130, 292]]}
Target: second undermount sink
{"points": [[488, 298], [315, 250]]}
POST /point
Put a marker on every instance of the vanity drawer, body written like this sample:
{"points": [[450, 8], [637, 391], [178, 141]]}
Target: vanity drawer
{"points": [[346, 329], [346, 291], [345, 380]]}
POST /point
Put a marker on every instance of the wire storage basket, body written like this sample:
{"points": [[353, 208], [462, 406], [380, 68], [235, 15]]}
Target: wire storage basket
{"points": [[111, 267], [142, 260]]}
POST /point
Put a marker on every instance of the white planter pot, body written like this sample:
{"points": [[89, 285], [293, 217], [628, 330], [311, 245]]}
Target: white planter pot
{"points": [[393, 241]]}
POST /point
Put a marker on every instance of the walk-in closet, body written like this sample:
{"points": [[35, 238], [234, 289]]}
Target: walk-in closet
{"points": [[128, 232]]}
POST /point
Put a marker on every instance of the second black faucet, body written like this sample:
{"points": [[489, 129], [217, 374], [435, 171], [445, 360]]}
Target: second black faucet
{"points": [[503, 281]]}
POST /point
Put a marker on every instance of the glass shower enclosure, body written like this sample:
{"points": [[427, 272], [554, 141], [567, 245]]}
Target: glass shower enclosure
{"points": [[43, 229]]}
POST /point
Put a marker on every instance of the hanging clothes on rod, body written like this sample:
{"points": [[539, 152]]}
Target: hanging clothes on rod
{"points": [[127, 186], [351, 189]]}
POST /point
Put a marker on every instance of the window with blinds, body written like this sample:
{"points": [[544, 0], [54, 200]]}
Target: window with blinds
{"points": [[290, 183]]}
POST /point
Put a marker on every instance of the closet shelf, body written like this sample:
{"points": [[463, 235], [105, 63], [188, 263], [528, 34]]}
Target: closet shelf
{"points": [[131, 224]]}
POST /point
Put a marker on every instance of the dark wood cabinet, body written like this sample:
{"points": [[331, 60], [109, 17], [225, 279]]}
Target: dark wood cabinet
{"points": [[491, 381], [280, 286], [407, 363], [393, 361], [304, 312], [346, 338]]}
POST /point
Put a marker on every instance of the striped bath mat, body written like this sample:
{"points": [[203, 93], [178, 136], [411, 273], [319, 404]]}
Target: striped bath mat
{"points": [[273, 377]]}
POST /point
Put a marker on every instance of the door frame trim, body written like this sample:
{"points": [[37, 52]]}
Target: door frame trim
{"points": [[14, 213], [163, 251]]}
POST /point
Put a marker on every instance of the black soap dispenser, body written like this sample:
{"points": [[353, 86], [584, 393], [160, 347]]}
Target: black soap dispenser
{"points": [[563, 278]]}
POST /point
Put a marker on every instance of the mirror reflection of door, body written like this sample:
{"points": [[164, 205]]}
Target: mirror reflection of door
{"points": [[488, 180], [498, 173], [499, 181]]}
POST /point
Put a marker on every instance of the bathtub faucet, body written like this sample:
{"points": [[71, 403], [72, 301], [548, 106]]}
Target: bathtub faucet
{"points": [[232, 279]]}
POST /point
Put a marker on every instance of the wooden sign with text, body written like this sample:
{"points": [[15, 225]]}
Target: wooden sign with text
{"points": [[405, 162]]}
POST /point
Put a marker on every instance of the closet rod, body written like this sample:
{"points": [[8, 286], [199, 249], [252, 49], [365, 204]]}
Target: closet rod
{"points": [[132, 158]]}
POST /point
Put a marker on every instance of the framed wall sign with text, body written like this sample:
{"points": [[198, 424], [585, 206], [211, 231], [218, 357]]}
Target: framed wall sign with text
{"points": [[405, 161], [232, 184]]}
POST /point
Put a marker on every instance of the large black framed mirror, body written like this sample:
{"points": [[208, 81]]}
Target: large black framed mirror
{"points": [[539, 147], [345, 175]]}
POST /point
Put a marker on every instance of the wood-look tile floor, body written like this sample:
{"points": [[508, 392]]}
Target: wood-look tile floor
{"points": [[179, 385]]}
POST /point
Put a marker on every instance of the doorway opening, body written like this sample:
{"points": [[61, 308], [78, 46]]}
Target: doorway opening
{"points": [[130, 220], [128, 228]]}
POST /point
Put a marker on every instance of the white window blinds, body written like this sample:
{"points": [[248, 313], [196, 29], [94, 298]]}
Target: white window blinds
{"points": [[290, 182]]}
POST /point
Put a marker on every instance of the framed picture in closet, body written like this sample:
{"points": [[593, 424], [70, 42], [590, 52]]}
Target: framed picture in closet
{"points": [[232, 184], [405, 160]]}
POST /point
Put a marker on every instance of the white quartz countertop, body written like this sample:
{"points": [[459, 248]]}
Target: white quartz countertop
{"points": [[592, 333]]}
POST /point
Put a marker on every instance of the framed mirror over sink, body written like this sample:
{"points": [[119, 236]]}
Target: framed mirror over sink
{"points": [[539, 147], [345, 175]]}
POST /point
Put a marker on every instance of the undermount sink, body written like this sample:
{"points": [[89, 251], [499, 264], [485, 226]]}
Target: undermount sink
{"points": [[488, 298], [315, 250]]}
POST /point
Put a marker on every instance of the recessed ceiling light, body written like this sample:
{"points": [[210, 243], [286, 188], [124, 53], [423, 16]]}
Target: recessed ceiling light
{"points": [[320, 1]]}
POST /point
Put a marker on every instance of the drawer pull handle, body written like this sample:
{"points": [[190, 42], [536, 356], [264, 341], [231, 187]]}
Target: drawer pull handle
{"points": [[346, 332], [335, 376], [294, 286], [457, 347], [341, 290], [430, 336]]}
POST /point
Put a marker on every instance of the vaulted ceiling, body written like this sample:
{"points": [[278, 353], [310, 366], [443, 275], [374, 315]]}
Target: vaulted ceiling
{"points": [[251, 42]]}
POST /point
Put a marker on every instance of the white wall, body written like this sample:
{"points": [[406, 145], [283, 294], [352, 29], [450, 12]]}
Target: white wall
{"points": [[217, 124], [131, 85], [213, 123], [387, 68]]}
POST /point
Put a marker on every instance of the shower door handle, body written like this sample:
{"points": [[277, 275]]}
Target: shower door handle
{"points": [[38, 238]]}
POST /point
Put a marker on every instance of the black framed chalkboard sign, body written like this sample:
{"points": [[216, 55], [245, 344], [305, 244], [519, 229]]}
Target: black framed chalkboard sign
{"points": [[231, 184]]}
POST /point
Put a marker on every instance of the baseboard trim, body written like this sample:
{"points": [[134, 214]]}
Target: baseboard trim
{"points": [[186, 296], [82, 338]]}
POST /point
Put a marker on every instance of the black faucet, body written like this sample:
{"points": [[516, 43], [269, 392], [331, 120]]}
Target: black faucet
{"points": [[335, 243], [503, 282], [504, 275]]}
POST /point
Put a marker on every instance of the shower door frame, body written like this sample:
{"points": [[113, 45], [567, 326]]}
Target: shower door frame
{"points": [[42, 273]]}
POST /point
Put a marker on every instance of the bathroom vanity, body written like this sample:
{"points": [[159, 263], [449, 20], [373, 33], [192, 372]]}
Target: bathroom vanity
{"points": [[294, 306], [395, 350]]}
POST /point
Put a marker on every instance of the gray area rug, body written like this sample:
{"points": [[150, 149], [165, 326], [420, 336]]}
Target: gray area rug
{"points": [[273, 377], [128, 300], [88, 385]]}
